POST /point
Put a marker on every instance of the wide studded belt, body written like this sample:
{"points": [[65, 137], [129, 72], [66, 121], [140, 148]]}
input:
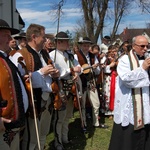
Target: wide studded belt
{"points": [[67, 85]]}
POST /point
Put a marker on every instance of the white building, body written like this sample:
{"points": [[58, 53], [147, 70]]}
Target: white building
{"points": [[10, 14]]}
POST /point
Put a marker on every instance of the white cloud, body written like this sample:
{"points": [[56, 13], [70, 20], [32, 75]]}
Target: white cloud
{"points": [[36, 11], [73, 12], [49, 20], [30, 15]]}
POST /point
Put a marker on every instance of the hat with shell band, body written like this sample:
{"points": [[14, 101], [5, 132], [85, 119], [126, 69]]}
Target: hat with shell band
{"points": [[4, 25], [20, 36], [62, 36], [84, 40]]}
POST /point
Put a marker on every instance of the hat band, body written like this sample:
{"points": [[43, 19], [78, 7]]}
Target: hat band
{"points": [[61, 38], [4, 27], [85, 41]]}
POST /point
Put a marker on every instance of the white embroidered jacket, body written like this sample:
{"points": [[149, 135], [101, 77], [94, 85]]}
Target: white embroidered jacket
{"points": [[62, 63]]}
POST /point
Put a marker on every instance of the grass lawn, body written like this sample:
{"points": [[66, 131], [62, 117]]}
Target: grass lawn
{"points": [[94, 139]]}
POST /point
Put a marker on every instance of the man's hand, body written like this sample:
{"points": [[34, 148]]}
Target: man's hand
{"points": [[2, 120], [112, 64], [55, 74], [95, 65], [26, 78], [102, 55], [75, 77], [77, 69], [146, 63], [49, 69]]}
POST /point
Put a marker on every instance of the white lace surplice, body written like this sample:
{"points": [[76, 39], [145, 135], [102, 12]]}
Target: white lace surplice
{"points": [[126, 80]]}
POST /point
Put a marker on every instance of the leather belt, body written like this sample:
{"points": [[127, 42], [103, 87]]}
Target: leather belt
{"points": [[67, 84]]}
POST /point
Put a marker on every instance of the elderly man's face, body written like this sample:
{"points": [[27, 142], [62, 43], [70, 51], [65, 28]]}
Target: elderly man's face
{"points": [[140, 45], [5, 37]]}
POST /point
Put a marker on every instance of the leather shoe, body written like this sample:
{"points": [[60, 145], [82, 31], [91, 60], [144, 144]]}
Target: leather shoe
{"points": [[103, 126], [84, 130], [68, 142], [59, 147], [96, 126]]}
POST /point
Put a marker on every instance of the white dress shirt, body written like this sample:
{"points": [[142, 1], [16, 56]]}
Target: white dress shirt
{"points": [[61, 62], [103, 48]]}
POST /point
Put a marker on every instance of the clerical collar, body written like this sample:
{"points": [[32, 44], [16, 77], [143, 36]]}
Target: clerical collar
{"points": [[140, 57]]}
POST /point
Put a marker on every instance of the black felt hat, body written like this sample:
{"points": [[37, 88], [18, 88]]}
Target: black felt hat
{"points": [[107, 38], [62, 36], [84, 40], [20, 36], [4, 25]]}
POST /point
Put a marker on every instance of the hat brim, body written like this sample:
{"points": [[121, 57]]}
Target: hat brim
{"points": [[19, 37], [85, 42], [62, 38], [108, 39], [12, 30]]}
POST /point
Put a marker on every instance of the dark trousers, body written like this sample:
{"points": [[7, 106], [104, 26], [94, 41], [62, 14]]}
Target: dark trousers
{"points": [[126, 138]]}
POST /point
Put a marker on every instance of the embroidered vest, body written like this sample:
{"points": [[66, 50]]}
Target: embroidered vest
{"points": [[10, 90], [33, 63], [45, 55], [82, 60]]}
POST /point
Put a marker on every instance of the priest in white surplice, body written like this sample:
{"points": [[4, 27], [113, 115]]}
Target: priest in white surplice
{"points": [[131, 130]]}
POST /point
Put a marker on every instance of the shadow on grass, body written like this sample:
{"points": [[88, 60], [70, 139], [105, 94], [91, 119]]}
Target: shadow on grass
{"points": [[77, 136]]}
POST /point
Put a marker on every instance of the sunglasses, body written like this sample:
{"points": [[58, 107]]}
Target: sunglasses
{"points": [[142, 46]]}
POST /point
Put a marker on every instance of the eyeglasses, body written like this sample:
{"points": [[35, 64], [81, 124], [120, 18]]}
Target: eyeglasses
{"points": [[142, 46]]}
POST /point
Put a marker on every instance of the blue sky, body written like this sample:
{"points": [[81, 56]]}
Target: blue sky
{"points": [[40, 12]]}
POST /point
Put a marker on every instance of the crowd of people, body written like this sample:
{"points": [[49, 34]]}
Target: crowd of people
{"points": [[41, 85]]}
